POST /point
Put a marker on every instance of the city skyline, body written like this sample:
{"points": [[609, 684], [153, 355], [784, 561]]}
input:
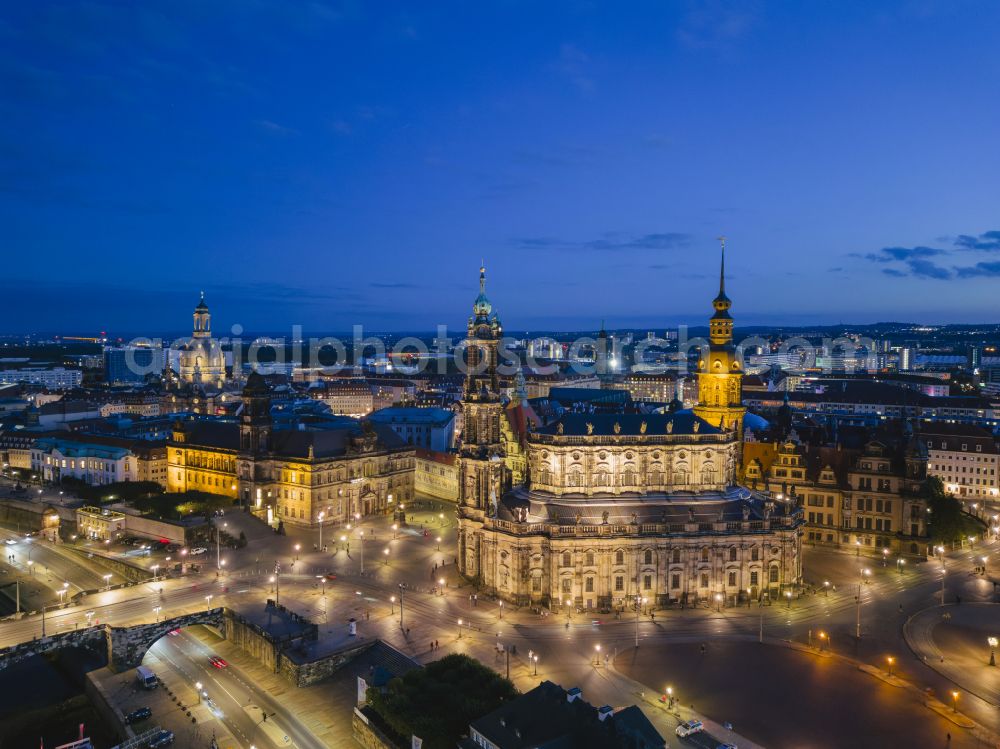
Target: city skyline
{"points": [[352, 166]]}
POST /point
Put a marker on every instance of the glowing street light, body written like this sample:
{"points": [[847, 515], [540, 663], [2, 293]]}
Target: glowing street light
{"points": [[890, 660], [459, 629], [534, 659], [823, 639], [208, 602], [385, 555], [993, 642], [954, 701], [107, 581], [597, 655], [156, 612]]}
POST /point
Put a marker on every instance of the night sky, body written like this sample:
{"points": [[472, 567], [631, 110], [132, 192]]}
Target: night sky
{"points": [[337, 163]]}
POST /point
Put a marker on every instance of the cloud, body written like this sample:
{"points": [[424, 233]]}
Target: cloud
{"points": [[889, 254], [986, 242], [979, 269], [276, 129], [894, 273], [927, 269], [612, 242], [400, 285], [715, 24], [572, 64]]}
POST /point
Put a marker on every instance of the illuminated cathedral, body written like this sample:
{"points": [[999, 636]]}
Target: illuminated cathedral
{"points": [[618, 509]]}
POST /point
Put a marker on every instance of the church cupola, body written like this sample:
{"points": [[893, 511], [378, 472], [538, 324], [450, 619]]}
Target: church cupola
{"points": [[202, 319]]}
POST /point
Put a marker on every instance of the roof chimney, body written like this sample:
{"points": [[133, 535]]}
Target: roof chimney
{"points": [[603, 713], [574, 694]]}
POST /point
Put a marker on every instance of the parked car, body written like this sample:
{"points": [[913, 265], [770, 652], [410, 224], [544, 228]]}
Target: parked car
{"points": [[689, 727], [163, 738], [198, 550], [136, 715]]}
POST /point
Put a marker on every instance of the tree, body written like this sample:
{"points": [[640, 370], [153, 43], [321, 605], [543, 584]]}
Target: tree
{"points": [[438, 702], [946, 520]]}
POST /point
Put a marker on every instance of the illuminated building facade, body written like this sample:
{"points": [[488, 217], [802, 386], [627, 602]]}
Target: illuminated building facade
{"points": [[619, 509]]}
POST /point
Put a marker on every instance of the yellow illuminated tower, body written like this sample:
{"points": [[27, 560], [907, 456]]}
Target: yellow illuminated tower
{"points": [[720, 374]]}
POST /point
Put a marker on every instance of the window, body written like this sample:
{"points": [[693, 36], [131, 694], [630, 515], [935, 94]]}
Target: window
{"points": [[567, 559], [754, 554], [619, 583], [772, 574], [588, 585], [732, 553], [732, 579], [753, 577], [676, 557], [704, 579], [647, 582], [590, 559], [704, 553], [675, 581], [647, 558], [619, 557]]}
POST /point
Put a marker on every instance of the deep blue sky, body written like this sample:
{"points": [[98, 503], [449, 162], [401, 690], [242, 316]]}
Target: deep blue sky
{"points": [[332, 163]]}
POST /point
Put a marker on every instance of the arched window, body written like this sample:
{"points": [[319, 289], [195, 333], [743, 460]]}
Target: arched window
{"points": [[732, 553], [628, 476], [708, 474], [603, 478], [772, 574], [676, 558], [575, 478], [647, 558]]}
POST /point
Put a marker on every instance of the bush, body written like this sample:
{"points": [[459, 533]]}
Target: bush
{"points": [[438, 702]]}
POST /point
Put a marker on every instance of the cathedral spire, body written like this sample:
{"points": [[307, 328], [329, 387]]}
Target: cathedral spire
{"points": [[722, 273]]}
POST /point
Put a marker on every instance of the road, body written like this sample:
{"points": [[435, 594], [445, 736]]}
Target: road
{"points": [[566, 646]]}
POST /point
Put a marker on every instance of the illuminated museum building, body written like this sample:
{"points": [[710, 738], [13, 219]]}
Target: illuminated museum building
{"points": [[616, 508]]}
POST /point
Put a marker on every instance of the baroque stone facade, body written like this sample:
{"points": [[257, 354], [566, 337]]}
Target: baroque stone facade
{"points": [[619, 509]]}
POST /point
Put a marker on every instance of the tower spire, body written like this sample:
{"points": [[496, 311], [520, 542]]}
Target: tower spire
{"points": [[722, 268], [482, 277]]}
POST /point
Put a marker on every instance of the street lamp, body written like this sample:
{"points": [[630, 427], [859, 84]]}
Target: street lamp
{"points": [[954, 701], [670, 698], [890, 660], [823, 638], [718, 602], [597, 655], [534, 671], [900, 563], [857, 626], [107, 581], [441, 585], [385, 553], [198, 686], [788, 598], [501, 610], [459, 629], [885, 556], [155, 568], [156, 612], [857, 544], [320, 518], [297, 547], [826, 588], [992, 641], [208, 602], [395, 527], [392, 604], [439, 543]]}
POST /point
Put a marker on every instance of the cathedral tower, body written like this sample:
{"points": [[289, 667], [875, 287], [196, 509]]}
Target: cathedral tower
{"points": [[482, 475], [720, 374]]}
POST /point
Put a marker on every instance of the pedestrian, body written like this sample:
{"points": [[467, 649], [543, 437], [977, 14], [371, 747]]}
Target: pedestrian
{"points": [[436, 645]]}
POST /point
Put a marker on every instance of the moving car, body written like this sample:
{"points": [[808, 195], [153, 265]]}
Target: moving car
{"points": [[217, 661], [689, 727], [163, 738], [136, 715], [174, 632], [198, 550]]}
